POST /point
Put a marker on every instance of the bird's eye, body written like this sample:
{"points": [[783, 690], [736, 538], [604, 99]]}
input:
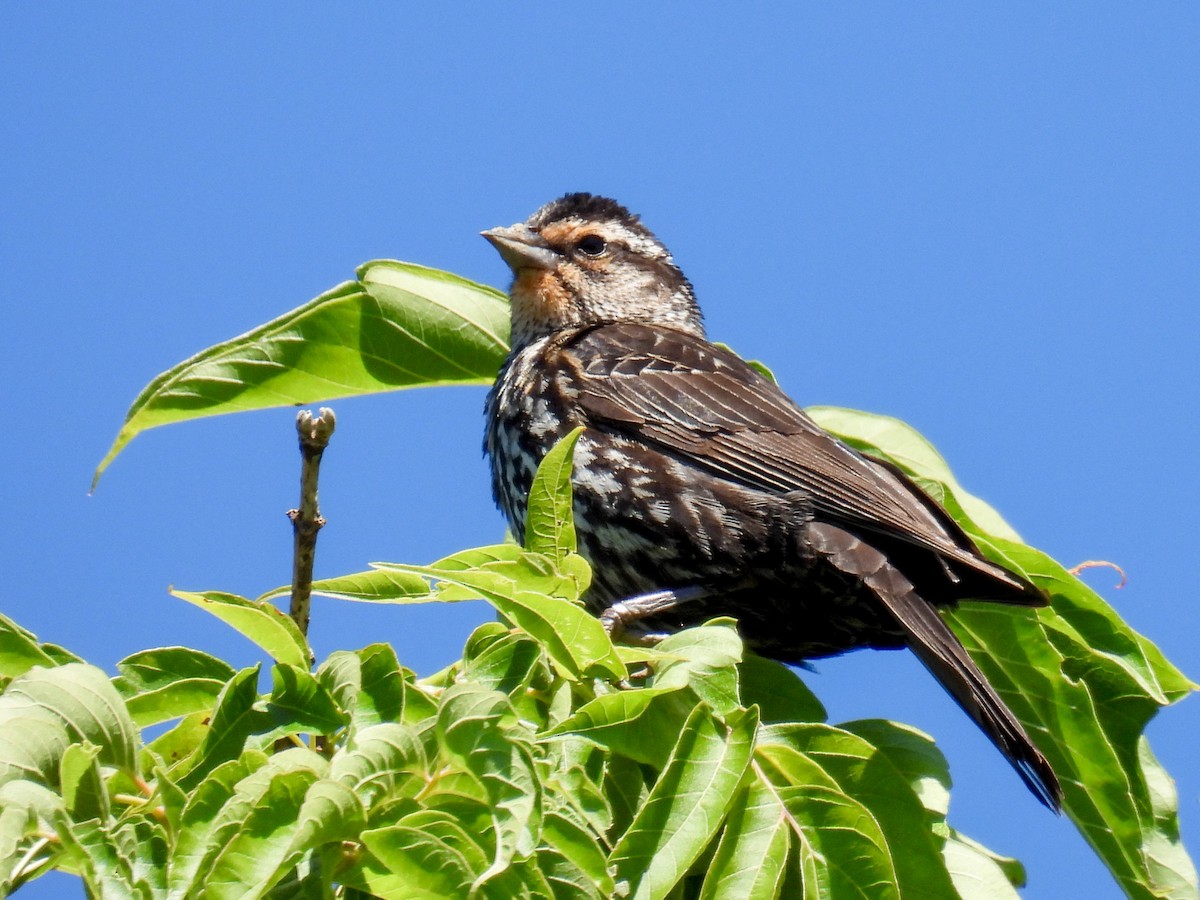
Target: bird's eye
{"points": [[592, 245]]}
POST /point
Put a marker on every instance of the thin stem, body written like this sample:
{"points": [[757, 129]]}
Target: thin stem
{"points": [[307, 520]]}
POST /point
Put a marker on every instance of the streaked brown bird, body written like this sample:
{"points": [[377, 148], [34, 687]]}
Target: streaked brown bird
{"points": [[701, 489]]}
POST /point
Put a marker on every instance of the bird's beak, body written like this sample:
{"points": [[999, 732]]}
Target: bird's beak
{"points": [[522, 247]]}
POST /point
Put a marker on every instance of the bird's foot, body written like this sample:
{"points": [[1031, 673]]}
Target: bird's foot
{"points": [[618, 618]]}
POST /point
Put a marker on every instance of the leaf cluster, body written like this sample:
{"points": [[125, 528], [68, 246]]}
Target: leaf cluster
{"points": [[546, 762]]}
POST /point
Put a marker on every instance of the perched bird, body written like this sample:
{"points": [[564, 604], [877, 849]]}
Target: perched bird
{"points": [[701, 489]]}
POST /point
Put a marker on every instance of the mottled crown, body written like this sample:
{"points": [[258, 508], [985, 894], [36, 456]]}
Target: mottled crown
{"points": [[589, 208]]}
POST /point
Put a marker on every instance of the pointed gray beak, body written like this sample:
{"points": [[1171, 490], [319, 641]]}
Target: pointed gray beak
{"points": [[522, 247]]}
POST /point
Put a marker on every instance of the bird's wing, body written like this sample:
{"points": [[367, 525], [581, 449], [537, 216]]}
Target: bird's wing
{"points": [[706, 405]]}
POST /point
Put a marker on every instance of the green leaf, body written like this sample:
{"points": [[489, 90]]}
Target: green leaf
{"points": [[913, 755], [257, 852], [258, 621], [237, 833], [978, 872], [1087, 686], [749, 862], [27, 811], [840, 849], [573, 859], [531, 591], [450, 831], [549, 525], [697, 664], [300, 703], [372, 586], [368, 683], [32, 742], [169, 682], [398, 325], [196, 839], [641, 724], [573, 783], [861, 771], [125, 859], [686, 805], [331, 812], [406, 864], [237, 716], [777, 691], [478, 729], [1082, 681], [382, 759], [705, 659], [174, 747], [510, 662], [83, 788], [44, 710], [20, 650]]}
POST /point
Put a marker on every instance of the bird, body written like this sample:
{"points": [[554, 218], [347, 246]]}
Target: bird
{"points": [[700, 489]]}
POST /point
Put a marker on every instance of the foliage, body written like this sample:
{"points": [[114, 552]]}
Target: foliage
{"points": [[546, 762]]}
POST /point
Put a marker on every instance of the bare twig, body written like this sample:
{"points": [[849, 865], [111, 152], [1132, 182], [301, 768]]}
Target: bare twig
{"points": [[307, 520]]}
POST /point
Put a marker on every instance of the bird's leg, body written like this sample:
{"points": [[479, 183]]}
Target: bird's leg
{"points": [[621, 615]]}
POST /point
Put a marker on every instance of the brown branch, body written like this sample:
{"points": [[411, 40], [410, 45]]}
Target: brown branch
{"points": [[307, 520]]}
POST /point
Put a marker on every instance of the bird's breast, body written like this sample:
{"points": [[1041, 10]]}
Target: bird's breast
{"points": [[526, 416]]}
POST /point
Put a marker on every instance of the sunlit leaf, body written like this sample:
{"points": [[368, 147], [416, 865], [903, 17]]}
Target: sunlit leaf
{"points": [[749, 862], [177, 745], [549, 525], [704, 659], [573, 860], [300, 703], [368, 683], [20, 650], [686, 805], [862, 771], [81, 782], [899, 443], [978, 872], [116, 859], [237, 716], [169, 682], [372, 586], [381, 759], [398, 325], [913, 755], [1082, 681], [32, 742], [406, 864], [83, 702], [535, 594], [696, 665], [195, 841], [640, 724], [259, 621], [840, 849], [510, 662], [479, 728], [254, 852], [27, 811]]}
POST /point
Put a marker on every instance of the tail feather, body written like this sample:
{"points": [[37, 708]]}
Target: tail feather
{"points": [[943, 655]]}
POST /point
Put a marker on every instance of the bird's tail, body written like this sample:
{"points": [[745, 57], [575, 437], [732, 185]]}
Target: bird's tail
{"points": [[942, 654]]}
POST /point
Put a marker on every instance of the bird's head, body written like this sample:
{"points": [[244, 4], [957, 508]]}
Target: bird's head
{"points": [[584, 260]]}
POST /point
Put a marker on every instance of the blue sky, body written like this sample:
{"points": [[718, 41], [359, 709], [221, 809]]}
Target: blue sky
{"points": [[981, 219]]}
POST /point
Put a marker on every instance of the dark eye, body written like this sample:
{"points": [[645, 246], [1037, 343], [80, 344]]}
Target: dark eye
{"points": [[592, 245]]}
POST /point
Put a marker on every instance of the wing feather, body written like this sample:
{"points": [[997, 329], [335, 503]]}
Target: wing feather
{"points": [[705, 404]]}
